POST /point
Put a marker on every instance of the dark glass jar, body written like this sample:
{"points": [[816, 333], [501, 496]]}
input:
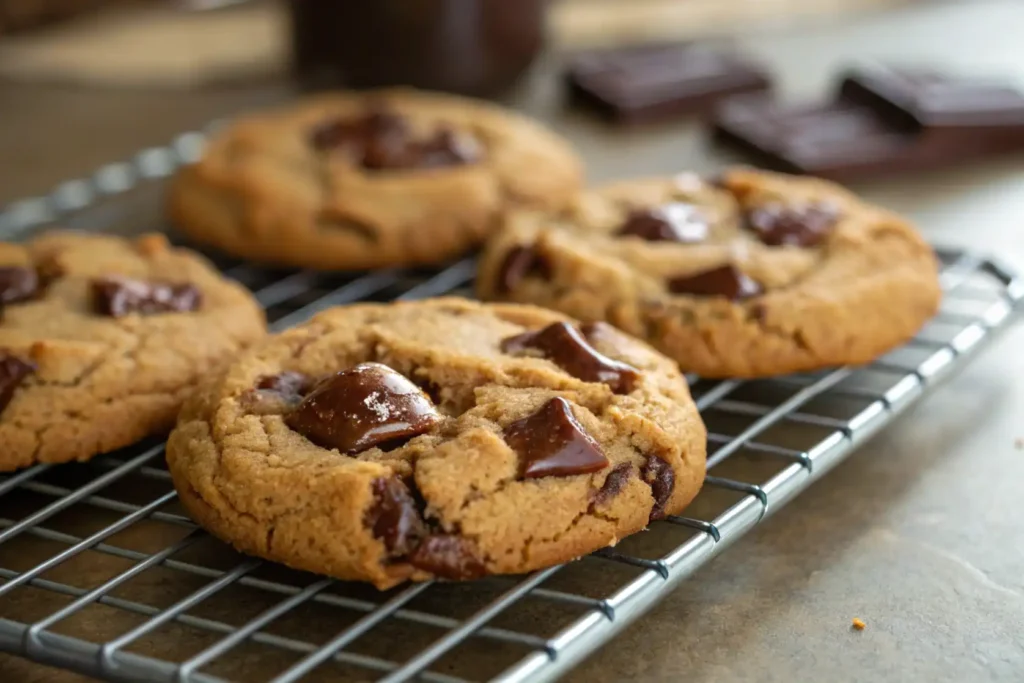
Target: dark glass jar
{"points": [[476, 47]]}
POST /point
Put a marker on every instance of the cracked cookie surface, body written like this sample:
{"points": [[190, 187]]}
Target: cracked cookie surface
{"points": [[101, 338], [749, 275], [377, 179], [443, 438]]}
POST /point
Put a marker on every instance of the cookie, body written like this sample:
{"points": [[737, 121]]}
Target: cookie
{"points": [[354, 181], [442, 438], [101, 338], [752, 274]]}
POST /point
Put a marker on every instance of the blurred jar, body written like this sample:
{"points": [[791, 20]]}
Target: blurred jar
{"points": [[476, 47]]}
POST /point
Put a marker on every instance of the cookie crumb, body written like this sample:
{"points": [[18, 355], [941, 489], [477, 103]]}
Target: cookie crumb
{"points": [[1019, 443], [858, 624]]}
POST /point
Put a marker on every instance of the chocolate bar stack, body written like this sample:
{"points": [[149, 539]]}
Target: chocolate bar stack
{"points": [[882, 120]]}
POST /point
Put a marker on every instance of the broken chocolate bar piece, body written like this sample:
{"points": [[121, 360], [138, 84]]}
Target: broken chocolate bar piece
{"points": [[930, 99], [839, 140], [658, 82]]}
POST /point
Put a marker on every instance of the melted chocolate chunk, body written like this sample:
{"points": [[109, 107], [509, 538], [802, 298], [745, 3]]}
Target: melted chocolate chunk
{"points": [[662, 480], [551, 443], [366, 406], [383, 140], [674, 222], [119, 296], [17, 284], [520, 262], [564, 346], [394, 517], [13, 371], [613, 484], [799, 226], [276, 394], [726, 281], [449, 557]]}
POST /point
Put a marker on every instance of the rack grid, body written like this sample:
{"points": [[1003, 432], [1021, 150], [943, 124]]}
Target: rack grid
{"points": [[102, 573]]}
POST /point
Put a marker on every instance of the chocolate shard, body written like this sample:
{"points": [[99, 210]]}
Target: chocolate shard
{"points": [[382, 140], [662, 480], [276, 394], [673, 222], [659, 82], [566, 347], [449, 557], [613, 484], [394, 517], [120, 296], [13, 371], [17, 284], [725, 281], [552, 443], [369, 405], [804, 225], [519, 262], [928, 98]]}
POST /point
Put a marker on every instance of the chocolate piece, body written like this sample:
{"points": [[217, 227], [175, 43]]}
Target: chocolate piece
{"points": [[927, 98], [563, 345], [276, 394], [673, 222], [613, 484], [448, 557], [369, 405], [662, 479], [726, 281], [119, 296], [394, 517], [13, 371], [841, 140], [802, 226], [650, 83], [551, 443], [519, 262], [382, 140], [17, 284]]}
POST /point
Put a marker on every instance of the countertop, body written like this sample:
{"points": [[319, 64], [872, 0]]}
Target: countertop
{"points": [[919, 533]]}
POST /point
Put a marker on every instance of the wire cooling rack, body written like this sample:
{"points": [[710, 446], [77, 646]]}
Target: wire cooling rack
{"points": [[102, 573]]}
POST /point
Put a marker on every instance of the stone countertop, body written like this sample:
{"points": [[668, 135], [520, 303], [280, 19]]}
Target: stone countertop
{"points": [[919, 533]]}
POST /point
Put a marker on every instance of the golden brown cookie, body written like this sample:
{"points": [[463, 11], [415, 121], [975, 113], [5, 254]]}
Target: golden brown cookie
{"points": [[101, 338], [354, 181], [753, 274], [442, 438]]}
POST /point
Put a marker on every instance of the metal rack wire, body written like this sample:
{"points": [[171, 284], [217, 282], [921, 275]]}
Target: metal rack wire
{"points": [[101, 573]]}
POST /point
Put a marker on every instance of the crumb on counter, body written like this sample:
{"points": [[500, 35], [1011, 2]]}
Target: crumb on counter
{"points": [[858, 624], [1019, 443]]}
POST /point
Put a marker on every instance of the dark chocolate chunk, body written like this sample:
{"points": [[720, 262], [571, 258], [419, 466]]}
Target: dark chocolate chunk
{"points": [[662, 479], [448, 557], [613, 484], [13, 371], [551, 443], [725, 281], [119, 296], [803, 225], [17, 284], [657, 82], [843, 140], [521, 261], [394, 517], [563, 345], [383, 140], [366, 406], [276, 394], [673, 222], [928, 98]]}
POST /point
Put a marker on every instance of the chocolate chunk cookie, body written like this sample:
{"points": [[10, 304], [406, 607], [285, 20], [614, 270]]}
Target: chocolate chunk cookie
{"points": [[386, 178], [750, 275], [101, 338], [443, 438]]}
